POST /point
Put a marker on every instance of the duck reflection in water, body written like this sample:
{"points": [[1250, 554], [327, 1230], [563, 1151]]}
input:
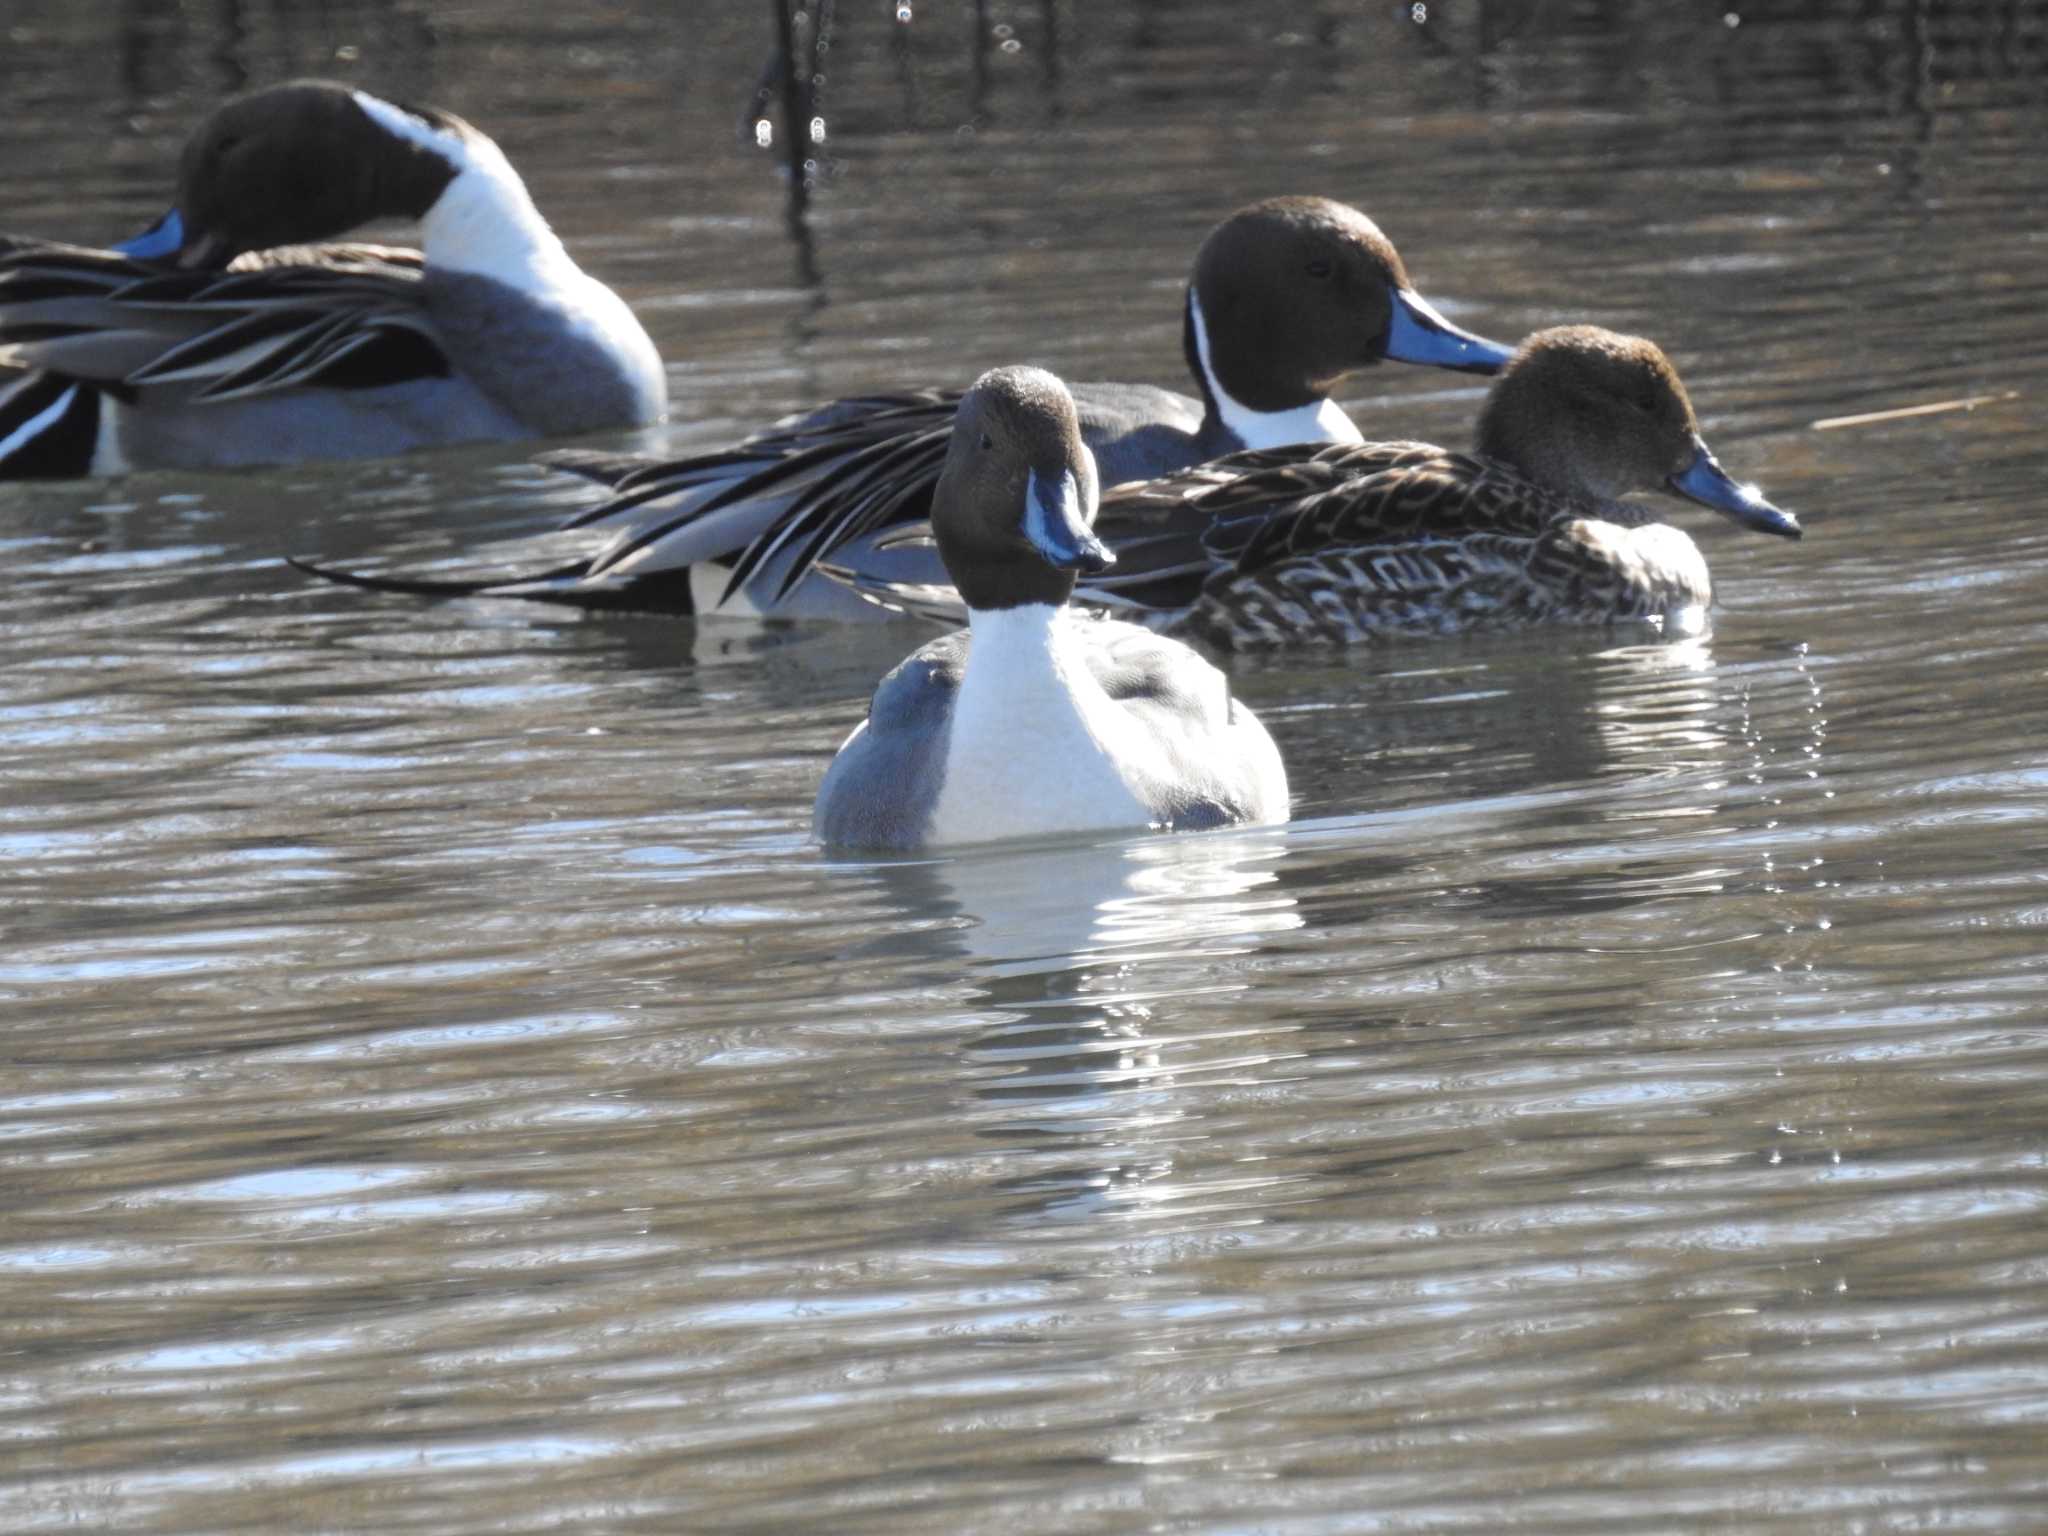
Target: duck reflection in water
{"points": [[1114, 977]]}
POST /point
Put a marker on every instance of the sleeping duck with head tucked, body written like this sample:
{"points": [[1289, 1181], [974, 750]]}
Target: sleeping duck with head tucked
{"points": [[219, 338], [1037, 721], [1337, 545]]}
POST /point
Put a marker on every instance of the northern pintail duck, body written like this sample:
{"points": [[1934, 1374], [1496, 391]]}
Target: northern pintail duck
{"points": [[1352, 543], [215, 339], [1036, 720], [1287, 298]]}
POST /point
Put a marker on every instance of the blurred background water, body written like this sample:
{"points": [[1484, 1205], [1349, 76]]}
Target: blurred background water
{"points": [[441, 1088]]}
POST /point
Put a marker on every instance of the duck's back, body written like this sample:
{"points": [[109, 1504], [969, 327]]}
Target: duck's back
{"points": [[330, 351], [1140, 431], [1345, 544], [820, 485], [274, 319], [299, 352]]}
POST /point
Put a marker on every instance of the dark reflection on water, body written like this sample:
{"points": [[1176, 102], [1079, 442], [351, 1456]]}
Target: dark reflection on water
{"points": [[443, 1088]]}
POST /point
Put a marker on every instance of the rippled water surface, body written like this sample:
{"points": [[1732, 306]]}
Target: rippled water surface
{"points": [[444, 1090]]}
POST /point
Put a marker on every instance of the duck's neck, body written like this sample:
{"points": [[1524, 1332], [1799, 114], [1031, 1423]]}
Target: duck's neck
{"points": [[1321, 420], [484, 223], [1521, 433], [1019, 657], [1626, 514]]}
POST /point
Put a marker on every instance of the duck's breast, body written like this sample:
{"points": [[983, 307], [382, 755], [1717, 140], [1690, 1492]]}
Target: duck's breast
{"points": [[563, 359]]}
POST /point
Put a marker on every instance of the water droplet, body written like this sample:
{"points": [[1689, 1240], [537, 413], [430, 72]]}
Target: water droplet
{"points": [[764, 133], [903, 12]]}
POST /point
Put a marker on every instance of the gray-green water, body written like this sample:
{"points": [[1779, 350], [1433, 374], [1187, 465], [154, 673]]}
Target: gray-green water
{"points": [[442, 1090]]}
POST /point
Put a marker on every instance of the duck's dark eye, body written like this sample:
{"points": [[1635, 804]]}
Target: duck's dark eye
{"points": [[987, 442], [1322, 266]]}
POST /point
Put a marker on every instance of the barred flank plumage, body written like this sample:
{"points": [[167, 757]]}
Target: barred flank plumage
{"points": [[1335, 546]]}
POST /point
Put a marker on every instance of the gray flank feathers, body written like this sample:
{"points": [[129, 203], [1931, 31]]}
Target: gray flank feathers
{"points": [[882, 788]]}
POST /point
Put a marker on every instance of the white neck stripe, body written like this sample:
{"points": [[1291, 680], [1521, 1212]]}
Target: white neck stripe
{"points": [[401, 124], [483, 222], [1320, 421]]}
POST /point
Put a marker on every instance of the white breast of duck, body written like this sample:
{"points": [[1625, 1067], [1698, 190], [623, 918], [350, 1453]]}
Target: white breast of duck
{"points": [[1035, 742], [484, 227]]}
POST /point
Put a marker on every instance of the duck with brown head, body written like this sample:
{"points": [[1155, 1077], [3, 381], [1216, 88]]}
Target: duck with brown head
{"points": [[220, 337], [298, 162], [1036, 721], [1337, 545], [1289, 298], [1597, 414]]}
